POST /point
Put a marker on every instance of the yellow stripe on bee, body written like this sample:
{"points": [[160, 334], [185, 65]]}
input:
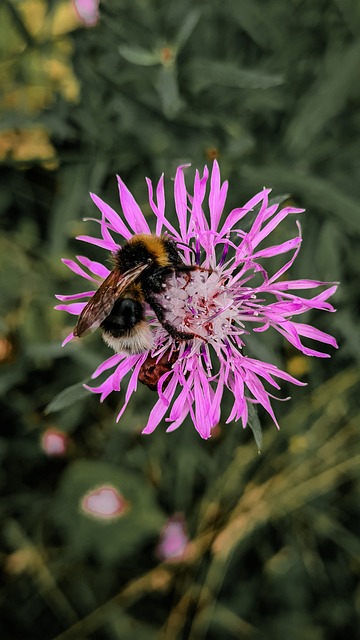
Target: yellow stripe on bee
{"points": [[155, 247]]}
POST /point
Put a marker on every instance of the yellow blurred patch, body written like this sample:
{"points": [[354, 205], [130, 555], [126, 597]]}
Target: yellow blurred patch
{"points": [[26, 559], [58, 72], [58, 22], [212, 153], [32, 77], [65, 19], [33, 13], [6, 350], [298, 366], [28, 144], [298, 444]]}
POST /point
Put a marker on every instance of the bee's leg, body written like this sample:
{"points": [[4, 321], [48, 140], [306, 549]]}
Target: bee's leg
{"points": [[172, 331], [192, 267], [155, 281], [179, 335], [188, 268]]}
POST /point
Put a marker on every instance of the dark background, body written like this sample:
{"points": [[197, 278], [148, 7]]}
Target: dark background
{"points": [[270, 89]]}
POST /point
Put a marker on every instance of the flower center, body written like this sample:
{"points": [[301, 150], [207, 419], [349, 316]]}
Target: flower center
{"points": [[201, 304]]}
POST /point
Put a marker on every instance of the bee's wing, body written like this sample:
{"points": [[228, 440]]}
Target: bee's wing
{"points": [[103, 300]]}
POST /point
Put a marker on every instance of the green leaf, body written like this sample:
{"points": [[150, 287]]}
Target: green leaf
{"points": [[73, 197], [186, 29], [10, 376], [204, 73], [167, 87], [67, 397], [46, 350], [255, 426], [330, 243], [254, 18], [314, 191], [350, 10], [280, 199], [139, 56], [326, 99]]}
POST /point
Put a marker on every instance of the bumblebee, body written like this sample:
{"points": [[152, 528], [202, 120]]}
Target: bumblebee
{"points": [[142, 267]]}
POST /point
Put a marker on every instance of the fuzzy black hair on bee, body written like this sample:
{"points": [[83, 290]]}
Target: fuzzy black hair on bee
{"points": [[142, 268]]}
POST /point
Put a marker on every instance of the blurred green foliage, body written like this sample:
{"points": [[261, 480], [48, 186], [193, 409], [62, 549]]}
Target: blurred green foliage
{"points": [[272, 90]]}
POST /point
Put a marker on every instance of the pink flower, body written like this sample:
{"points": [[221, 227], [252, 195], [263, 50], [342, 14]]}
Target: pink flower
{"points": [[173, 540], [104, 503], [232, 295], [54, 442], [87, 11]]}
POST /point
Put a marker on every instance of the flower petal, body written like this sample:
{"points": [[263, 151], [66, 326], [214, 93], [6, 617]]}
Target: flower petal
{"points": [[277, 249], [132, 212], [75, 308], [113, 217], [96, 267], [75, 296], [180, 197], [103, 244], [217, 197], [159, 209], [67, 339], [78, 270], [160, 408], [109, 364]]}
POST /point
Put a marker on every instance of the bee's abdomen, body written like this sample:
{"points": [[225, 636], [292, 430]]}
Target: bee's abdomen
{"points": [[125, 314]]}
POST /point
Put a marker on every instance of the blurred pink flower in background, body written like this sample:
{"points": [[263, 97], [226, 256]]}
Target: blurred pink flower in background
{"points": [[173, 540], [87, 11], [104, 503], [54, 442]]}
